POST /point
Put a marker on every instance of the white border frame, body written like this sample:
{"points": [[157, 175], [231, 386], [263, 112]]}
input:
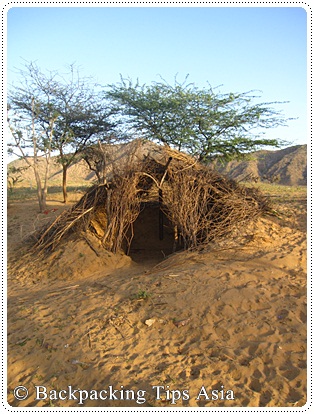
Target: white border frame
{"points": [[5, 6]]}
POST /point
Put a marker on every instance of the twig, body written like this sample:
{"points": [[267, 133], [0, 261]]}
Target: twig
{"points": [[91, 246]]}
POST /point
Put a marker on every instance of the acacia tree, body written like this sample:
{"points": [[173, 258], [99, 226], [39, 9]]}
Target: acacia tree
{"points": [[56, 112], [203, 122], [31, 119], [84, 119]]}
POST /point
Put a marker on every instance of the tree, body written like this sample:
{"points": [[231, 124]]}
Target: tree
{"points": [[84, 119], [66, 112], [31, 120], [203, 122]]}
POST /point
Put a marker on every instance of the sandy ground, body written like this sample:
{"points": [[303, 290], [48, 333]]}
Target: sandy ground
{"points": [[219, 328]]}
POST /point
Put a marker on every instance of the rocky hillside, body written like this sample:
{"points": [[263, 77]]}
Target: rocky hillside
{"points": [[287, 166]]}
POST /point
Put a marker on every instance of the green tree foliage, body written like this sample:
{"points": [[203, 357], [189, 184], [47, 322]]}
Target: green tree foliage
{"points": [[83, 120], [203, 122]]}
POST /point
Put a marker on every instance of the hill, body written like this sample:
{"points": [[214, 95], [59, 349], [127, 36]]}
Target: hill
{"points": [[287, 166]]}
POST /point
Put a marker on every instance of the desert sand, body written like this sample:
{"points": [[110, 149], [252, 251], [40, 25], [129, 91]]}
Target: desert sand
{"points": [[221, 327]]}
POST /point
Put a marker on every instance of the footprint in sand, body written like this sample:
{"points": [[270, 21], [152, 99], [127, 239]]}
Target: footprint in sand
{"points": [[291, 373], [265, 398], [282, 314], [222, 333], [255, 385], [303, 317]]}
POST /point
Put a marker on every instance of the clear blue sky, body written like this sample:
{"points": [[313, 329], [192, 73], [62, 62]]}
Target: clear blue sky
{"points": [[240, 48]]}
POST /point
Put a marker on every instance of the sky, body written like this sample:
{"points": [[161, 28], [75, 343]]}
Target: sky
{"points": [[236, 49]]}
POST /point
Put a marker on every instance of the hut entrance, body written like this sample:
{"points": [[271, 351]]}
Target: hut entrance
{"points": [[153, 237]]}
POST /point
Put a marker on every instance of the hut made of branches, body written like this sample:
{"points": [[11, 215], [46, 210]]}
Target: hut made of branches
{"points": [[201, 204]]}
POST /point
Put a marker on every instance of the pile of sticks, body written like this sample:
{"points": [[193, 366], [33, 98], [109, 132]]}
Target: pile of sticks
{"points": [[201, 204]]}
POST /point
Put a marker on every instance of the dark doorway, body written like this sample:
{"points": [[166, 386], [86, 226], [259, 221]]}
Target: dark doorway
{"points": [[153, 237]]}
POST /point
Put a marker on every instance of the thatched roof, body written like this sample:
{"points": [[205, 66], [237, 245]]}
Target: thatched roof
{"points": [[201, 204]]}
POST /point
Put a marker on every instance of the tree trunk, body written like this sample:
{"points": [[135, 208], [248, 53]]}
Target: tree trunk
{"points": [[46, 178], [64, 183], [41, 200]]}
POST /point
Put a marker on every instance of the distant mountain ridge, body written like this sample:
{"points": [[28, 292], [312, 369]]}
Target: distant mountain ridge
{"points": [[287, 166]]}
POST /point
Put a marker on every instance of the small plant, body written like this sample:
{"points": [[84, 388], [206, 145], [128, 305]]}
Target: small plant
{"points": [[40, 341], [142, 294]]}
